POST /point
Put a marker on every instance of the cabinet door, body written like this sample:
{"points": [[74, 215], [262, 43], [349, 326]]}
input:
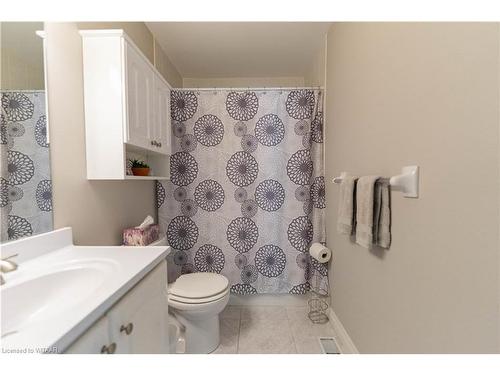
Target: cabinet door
{"points": [[138, 322], [161, 130], [150, 333], [140, 91], [93, 340]]}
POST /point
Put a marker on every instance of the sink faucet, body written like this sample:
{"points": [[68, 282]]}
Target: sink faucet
{"points": [[7, 265]]}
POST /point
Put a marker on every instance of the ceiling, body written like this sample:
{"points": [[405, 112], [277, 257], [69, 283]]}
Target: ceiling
{"points": [[240, 49]]}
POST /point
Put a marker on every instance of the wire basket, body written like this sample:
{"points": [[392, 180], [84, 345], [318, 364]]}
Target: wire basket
{"points": [[318, 302]]}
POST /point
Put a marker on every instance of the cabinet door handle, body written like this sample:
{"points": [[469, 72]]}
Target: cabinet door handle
{"points": [[127, 328], [159, 144], [108, 349], [152, 143]]}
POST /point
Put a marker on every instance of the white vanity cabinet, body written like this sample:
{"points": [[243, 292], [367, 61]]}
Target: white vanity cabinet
{"points": [[93, 341], [127, 111], [136, 324]]}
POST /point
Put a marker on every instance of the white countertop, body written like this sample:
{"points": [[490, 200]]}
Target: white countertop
{"points": [[83, 306]]}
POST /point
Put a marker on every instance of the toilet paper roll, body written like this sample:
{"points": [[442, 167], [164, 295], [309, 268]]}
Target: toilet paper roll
{"points": [[319, 252]]}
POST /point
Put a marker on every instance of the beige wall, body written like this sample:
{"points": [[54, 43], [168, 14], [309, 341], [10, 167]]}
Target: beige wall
{"points": [[426, 94], [316, 75], [97, 210], [165, 66], [21, 56], [244, 82]]}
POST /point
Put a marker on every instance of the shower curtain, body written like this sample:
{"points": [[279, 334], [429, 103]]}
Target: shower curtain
{"points": [[246, 195], [25, 183]]}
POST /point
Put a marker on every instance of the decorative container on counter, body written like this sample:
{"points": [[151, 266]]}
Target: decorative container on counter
{"points": [[141, 236]]}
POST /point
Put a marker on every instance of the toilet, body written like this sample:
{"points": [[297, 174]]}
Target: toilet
{"points": [[196, 300]]}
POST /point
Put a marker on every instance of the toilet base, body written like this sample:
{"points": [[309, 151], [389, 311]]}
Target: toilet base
{"points": [[200, 320], [202, 335]]}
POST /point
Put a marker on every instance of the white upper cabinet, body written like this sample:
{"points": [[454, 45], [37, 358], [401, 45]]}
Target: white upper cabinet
{"points": [[140, 100], [127, 111], [161, 129]]}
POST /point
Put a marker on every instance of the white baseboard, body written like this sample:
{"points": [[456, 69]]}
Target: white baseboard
{"points": [[286, 300], [345, 343]]}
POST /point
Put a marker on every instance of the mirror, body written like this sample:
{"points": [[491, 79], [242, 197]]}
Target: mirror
{"points": [[25, 180]]}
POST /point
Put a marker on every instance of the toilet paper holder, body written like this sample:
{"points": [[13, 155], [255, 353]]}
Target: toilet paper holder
{"points": [[319, 291]]}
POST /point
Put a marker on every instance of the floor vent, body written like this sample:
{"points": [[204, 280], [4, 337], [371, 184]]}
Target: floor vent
{"points": [[329, 345]]}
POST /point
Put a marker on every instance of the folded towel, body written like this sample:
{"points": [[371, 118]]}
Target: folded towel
{"points": [[382, 214], [347, 208], [377, 203], [365, 194]]}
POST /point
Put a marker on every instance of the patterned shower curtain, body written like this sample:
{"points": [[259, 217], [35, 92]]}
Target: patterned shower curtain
{"points": [[246, 195], [25, 183]]}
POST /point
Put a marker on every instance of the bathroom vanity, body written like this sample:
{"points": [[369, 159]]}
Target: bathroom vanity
{"points": [[135, 324], [83, 299]]}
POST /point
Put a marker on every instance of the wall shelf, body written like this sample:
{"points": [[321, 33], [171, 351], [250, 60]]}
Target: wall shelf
{"points": [[129, 177]]}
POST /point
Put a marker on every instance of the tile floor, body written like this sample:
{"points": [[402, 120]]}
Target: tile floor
{"points": [[270, 330]]}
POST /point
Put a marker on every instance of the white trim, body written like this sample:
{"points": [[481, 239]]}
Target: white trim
{"points": [[346, 345], [248, 88], [102, 32], [43, 35]]}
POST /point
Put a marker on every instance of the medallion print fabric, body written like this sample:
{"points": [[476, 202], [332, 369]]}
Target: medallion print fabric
{"points": [[25, 183], [246, 195]]}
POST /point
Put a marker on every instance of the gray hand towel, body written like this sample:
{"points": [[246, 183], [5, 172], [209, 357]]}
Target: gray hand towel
{"points": [[377, 203], [365, 195], [382, 214], [346, 213]]}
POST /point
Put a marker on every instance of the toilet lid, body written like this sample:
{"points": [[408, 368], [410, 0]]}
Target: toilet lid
{"points": [[199, 285]]}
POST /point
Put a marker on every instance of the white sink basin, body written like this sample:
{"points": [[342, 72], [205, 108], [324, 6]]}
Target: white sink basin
{"points": [[29, 299], [59, 290]]}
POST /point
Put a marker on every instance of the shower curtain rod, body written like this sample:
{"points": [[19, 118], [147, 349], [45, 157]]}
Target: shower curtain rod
{"points": [[247, 88], [25, 90]]}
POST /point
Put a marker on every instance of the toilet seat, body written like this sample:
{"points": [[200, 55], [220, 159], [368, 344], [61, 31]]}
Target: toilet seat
{"points": [[180, 299], [198, 288]]}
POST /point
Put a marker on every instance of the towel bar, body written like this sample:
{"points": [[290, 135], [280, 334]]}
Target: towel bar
{"points": [[407, 182]]}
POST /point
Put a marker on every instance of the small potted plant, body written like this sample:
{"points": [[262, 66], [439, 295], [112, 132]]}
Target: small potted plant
{"points": [[140, 168]]}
